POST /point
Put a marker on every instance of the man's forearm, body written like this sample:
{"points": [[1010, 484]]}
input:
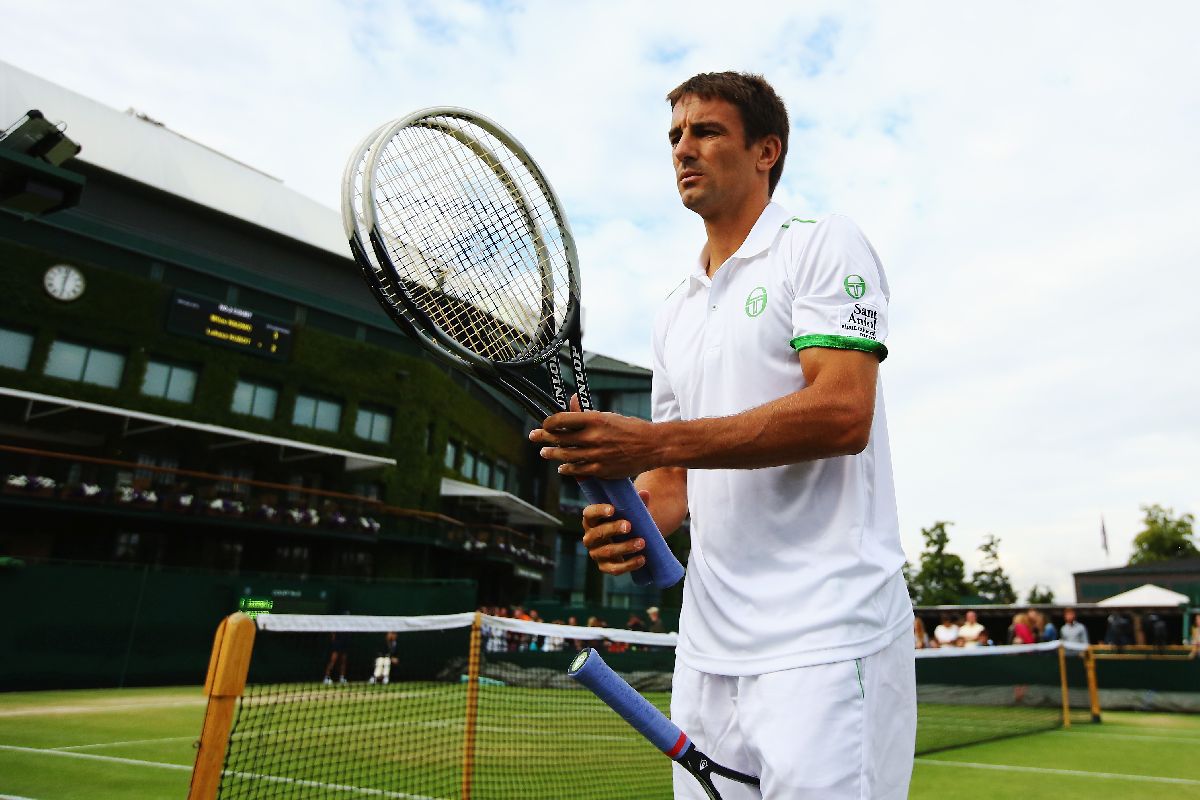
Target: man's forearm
{"points": [[813, 423], [668, 496]]}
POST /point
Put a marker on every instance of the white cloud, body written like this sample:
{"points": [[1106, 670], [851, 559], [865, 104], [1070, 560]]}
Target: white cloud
{"points": [[1026, 173]]}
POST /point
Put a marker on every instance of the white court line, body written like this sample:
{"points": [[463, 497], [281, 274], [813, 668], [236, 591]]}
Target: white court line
{"points": [[243, 775], [13, 797], [136, 761], [55, 710], [1051, 771], [119, 744], [1130, 736]]}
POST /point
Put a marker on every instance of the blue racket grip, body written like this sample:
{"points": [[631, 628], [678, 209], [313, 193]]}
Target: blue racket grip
{"points": [[662, 567], [589, 669]]}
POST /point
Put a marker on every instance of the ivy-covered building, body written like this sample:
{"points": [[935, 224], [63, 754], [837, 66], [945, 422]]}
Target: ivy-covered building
{"points": [[192, 374]]}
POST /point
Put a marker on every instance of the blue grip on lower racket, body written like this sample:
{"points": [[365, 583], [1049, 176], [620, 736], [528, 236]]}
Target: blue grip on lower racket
{"points": [[662, 569], [589, 669]]}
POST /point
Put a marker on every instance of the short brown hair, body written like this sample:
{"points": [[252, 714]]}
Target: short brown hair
{"points": [[761, 109]]}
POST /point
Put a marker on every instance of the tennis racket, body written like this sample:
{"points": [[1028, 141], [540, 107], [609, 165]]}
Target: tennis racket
{"points": [[471, 256], [589, 669]]}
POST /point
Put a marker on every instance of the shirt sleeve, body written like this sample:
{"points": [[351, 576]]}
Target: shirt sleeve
{"points": [[841, 293]]}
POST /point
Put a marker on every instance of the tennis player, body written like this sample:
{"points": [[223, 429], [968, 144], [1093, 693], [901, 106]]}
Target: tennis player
{"points": [[795, 657]]}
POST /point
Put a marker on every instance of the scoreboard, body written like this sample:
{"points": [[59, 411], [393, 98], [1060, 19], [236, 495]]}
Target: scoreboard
{"points": [[229, 326]]}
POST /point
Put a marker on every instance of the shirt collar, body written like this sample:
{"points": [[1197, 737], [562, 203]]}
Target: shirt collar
{"points": [[761, 237]]}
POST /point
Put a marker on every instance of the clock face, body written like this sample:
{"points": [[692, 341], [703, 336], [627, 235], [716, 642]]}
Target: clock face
{"points": [[64, 282]]}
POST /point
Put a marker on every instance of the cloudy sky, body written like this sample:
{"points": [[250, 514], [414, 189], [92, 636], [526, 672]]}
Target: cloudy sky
{"points": [[1028, 172]]}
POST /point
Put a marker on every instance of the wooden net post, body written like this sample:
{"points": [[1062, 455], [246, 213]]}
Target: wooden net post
{"points": [[1089, 665], [224, 684], [472, 711], [1066, 692]]}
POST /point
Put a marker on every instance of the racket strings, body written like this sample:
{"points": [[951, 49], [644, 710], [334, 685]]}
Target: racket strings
{"points": [[475, 238]]}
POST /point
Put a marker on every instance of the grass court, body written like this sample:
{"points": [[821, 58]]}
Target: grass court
{"points": [[137, 744]]}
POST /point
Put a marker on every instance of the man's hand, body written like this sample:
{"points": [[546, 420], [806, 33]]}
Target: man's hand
{"points": [[599, 528], [596, 444]]}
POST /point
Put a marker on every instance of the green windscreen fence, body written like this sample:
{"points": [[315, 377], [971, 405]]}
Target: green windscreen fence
{"points": [[432, 707], [84, 625]]}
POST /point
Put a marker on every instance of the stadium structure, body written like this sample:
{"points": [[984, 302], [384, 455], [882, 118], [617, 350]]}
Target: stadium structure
{"points": [[195, 381]]}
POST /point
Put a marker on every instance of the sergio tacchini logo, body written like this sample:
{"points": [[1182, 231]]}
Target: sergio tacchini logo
{"points": [[756, 301]]}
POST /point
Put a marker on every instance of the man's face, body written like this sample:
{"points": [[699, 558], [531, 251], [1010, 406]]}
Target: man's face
{"points": [[971, 617], [714, 169], [1069, 616]]}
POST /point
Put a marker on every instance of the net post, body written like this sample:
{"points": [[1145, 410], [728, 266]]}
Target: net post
{"points": [[1089, 665], [472, 705], [1062, 677], [223, 685]]}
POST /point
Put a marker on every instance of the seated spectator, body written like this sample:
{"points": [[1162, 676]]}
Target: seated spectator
{"points": [[968, 632], [656, 624], [553, 644], [920, 637], [1022, 633], [1195, 637], [946, 634]]}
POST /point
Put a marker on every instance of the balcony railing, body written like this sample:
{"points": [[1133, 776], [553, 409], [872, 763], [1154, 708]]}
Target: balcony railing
{"points": [[134, 488]]}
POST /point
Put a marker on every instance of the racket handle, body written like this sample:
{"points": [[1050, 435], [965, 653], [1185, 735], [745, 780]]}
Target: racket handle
{"points": [[662, 567], [589, 669]]}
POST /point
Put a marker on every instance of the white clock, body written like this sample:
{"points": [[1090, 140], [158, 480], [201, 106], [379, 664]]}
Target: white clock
{"points": [[64, 282]]}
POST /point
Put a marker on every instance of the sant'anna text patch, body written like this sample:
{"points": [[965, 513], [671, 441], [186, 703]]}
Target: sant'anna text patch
{"points": [[859, 319]]}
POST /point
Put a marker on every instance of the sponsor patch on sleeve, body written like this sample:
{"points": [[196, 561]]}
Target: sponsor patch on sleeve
{"points": [[859, 319]]}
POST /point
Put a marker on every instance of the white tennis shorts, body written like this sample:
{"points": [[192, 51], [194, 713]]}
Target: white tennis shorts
{"points": [[826, 732]]}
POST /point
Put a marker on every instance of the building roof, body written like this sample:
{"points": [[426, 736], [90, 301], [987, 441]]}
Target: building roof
{"points": [[1145, 596], [596, 361], [137, 147], [1173, 566]]}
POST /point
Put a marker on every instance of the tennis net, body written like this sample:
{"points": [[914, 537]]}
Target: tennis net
{"points": [[462, 706]]}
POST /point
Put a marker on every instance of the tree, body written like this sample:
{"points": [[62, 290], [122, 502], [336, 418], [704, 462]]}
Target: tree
{"points": [[941, 579], [991, 582], [1040, 596], [1164, 536]]}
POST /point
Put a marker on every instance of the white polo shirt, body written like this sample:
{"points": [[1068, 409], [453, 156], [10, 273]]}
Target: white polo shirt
{"points": [[800, 564]]}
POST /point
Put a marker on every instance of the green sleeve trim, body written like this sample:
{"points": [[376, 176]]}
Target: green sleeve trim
{"points": [[841, 343]]}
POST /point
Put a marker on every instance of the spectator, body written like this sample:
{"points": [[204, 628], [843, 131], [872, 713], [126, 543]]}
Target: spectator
{"points": [[1036, 622], [387, 657], [1049, 632], [634, 623], [920, 637], [946, 634], [656, 623], [1156, 630], [1120, 631], [1195, 637], [1022, 633], [1073, 631], [968, 632], [553, 644]]}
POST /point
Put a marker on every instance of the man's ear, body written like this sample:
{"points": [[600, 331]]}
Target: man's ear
{"points": [[769, 148]]}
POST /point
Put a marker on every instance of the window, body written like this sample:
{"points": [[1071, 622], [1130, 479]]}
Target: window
{"points": [[500, 476], [483, 472], [451, 454], [14, 349], [76, 362], [374, 424], [314, 412], [169, 381], [255, 399], [468, 465]]}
